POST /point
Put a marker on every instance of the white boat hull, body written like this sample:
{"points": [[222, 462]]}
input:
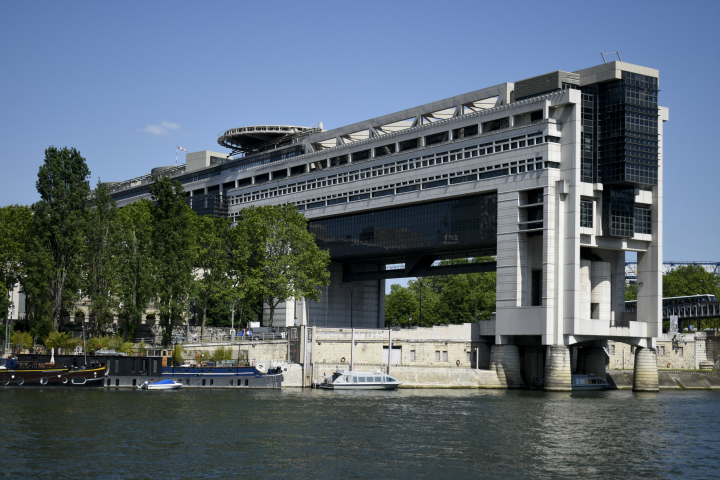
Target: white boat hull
{"points": [[361, 387]]}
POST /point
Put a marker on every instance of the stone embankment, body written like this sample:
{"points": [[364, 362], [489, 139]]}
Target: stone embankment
{"points": [[669, 380]]}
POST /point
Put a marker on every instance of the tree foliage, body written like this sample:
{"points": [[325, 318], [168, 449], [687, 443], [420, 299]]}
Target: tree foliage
{"points": [[172, 252], [134, 267], [448, 299], [690, 280], [100, 275], [212, 257], [58, 224], [15, 221], [284, 255]]}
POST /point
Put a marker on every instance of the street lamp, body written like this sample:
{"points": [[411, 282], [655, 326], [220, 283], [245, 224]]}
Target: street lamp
{"points": [[351, 302]]}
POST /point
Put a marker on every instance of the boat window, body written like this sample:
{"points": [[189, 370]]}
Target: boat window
{"points": [[362, 379], [5, 380], [187, 371], [78, 380], [43, 380], [587, 381], [229, 371], [355, 380], [391, 379], [378, 379]]}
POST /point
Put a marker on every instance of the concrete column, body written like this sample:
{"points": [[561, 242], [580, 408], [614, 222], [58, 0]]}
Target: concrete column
{"points": [[557, 369], [645, 376], [505, 360], [592, 360]]}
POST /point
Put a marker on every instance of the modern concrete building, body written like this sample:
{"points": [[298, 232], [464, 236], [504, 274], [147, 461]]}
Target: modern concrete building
{"points": [[556, 176]]}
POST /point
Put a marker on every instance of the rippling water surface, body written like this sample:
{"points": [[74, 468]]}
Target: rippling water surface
{"points": [[317, 434]]}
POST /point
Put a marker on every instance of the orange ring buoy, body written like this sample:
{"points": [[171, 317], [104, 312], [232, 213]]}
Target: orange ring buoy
{"points": [[668, 365], [342, 360], [457, 362]]}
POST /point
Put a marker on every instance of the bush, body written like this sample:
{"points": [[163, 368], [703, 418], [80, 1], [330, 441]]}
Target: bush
{"points": [[21, 340], [222, 353], [58, 340], [178, 355]]}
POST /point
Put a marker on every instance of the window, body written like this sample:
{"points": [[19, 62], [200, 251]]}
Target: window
{"points": [[536, 288], [246, 382], [662, 350], [612, 349], [355, 379], [412, 355], [437, 355], [444, 356], [643, 220], [680, 351], [203, 382], [586, 213], [378, 379]]}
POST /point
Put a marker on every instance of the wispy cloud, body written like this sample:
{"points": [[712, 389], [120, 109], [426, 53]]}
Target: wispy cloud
{"points": [[163, 128]]}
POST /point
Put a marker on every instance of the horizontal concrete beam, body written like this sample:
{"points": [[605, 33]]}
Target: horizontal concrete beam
{"points": [[422, 272]]}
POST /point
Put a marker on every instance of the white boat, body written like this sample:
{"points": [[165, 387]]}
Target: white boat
{"points": [[582, 381], [161, 385], [348, 380]]}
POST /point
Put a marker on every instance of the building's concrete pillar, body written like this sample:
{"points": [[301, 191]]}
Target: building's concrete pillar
{"points": [[505, 360], [557, 369], [592, 360], [645, 376]]}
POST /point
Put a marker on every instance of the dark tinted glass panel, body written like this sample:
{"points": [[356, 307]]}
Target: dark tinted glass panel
{"points": [[586, 213], [465, 222]]}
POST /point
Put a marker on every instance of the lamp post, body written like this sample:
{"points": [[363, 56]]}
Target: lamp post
{"points": [[351, 302]]}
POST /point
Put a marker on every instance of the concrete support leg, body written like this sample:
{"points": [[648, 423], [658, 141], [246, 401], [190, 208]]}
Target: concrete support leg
{"points": [[557, 369], [594, 360], [505, 360], [645, 376]]}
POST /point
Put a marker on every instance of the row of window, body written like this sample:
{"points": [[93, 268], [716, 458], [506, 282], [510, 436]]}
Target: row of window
{"points": [[483, 173], [642, 219], [411, 164]]}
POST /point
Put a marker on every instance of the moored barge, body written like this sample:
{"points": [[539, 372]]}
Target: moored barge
{"points": [[18, 373]]}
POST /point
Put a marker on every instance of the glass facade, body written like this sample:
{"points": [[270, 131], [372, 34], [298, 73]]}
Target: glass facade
{"points": [[215, 205], [618, 211], [643, 220], [466, 223], [586, 213], [628, 130]]}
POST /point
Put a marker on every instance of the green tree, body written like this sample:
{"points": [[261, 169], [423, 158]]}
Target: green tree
{"points": [[630, 291], [135, 286], [445, 299], [100, 272], [690, 280], [400, 304], [211, 256], [21, 340], [172, 252], [59, 220], [284, 255], [15, 221], [244, 286]]}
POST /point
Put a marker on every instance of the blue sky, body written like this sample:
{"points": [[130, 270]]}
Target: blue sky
{"points": [[126, 82]]}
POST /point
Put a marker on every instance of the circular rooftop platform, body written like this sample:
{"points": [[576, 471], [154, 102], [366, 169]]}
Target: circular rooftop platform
{"points": [[251, 138]]}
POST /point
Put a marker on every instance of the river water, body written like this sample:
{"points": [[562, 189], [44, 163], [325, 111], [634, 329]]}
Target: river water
{"points": [[109, 433]]}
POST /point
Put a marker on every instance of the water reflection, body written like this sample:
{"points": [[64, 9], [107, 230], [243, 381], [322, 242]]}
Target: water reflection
{"points": [[407, 433]]}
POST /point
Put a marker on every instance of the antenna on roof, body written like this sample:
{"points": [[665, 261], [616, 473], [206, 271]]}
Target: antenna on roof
{"points": [[610, 53]]}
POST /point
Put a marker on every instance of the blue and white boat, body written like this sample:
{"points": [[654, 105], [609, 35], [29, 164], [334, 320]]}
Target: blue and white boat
{"points": [[166, 384]]}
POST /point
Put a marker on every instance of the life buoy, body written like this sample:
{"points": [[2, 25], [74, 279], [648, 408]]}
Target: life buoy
{"points": [[342, 360], [38, 350], [457, 362], [668, 364]]}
